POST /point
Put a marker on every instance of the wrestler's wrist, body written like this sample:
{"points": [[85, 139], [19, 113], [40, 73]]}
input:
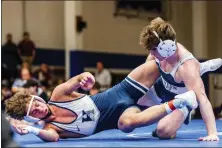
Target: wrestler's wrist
{"points": [[32, 130]]}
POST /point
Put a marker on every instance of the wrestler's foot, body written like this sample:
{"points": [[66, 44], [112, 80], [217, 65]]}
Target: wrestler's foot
{"points": [[210, 65], [189, 116], [186, 99]]}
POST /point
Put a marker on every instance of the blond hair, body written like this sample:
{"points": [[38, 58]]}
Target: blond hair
{"points": [[163, 29], [16, 105]]}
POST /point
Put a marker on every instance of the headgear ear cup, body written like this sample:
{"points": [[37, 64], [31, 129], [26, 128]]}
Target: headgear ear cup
{"points": [[166, 48]]}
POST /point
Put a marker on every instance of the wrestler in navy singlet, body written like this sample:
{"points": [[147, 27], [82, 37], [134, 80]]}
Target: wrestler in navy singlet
{"points": [[166, 88]]}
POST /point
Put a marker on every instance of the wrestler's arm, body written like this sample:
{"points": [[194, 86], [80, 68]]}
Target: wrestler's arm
{"points": [[190, 74], [46, 134], [84, 80], [146, 74]]}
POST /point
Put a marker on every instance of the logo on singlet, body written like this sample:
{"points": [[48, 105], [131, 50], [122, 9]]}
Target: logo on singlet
{"points": [[77, 128], [168, 86], [87, 115], [172, 88]]}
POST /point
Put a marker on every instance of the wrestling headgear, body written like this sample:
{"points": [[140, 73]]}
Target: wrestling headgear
{"points": [[30, 118], [166, 48]]}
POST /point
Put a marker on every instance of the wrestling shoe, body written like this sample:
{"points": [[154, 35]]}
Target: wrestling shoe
{"points": [[210, 65], [186, 99], [189, 116]]}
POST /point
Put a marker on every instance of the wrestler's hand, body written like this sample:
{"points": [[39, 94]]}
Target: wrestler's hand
{"points": [[19, 128], [87, 81], [211, 137]]}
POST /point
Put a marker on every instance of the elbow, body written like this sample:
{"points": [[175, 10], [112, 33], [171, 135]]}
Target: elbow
{"points": [[55, 139]]}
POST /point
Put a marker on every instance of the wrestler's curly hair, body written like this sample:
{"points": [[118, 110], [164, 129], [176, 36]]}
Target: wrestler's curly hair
{"points": [[163, 29], [16, 105]]}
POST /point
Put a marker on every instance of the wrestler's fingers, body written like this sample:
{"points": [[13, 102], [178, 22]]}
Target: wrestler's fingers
{"points": [[217, 139], [81, 84], [17, 130], [90, 78], [83, 81], [85, 78]]}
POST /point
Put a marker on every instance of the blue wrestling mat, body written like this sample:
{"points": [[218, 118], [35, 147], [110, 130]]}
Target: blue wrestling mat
{"points": [[187, 137]]}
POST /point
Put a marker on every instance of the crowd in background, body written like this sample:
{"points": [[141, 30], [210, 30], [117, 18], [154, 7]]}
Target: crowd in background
{"points": [[19, 74]]}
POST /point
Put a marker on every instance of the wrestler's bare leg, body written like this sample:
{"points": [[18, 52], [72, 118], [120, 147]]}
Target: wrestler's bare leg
{"points": [[146, 74], [133, 117]]}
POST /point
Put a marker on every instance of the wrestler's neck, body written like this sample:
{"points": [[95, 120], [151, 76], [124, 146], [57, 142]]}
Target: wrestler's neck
{"points": [[173, 59], [52, 115]]}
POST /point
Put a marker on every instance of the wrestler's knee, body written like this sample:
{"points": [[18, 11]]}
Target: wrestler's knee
{"points": [[164, 132], [126, 123]]}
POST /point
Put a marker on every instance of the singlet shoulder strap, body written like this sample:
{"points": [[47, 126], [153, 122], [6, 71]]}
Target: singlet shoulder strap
{"points": [[184, 59], [157, 60]]}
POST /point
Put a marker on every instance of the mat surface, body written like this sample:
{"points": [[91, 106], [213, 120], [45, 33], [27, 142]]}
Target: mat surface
{"points": [[141, 137]]}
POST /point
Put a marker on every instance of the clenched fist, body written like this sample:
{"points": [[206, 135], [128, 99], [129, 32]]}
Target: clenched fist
{"points": [[87, 81]]}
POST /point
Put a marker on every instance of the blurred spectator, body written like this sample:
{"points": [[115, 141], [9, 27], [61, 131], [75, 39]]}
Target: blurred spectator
{"points": [[25, 75], [10, 59], [95, 89], [5, 92], [103, 76], [43, 74], [32, 86], [25, 65], [27, 49]]}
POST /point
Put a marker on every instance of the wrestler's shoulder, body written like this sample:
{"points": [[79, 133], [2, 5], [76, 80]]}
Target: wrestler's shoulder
{"points": [[66, 97], [188, 67]]}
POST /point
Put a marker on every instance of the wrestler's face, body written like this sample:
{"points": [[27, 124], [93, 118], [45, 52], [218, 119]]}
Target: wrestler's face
{"points": [[99, 66], [38, 109], [156, 54]]}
